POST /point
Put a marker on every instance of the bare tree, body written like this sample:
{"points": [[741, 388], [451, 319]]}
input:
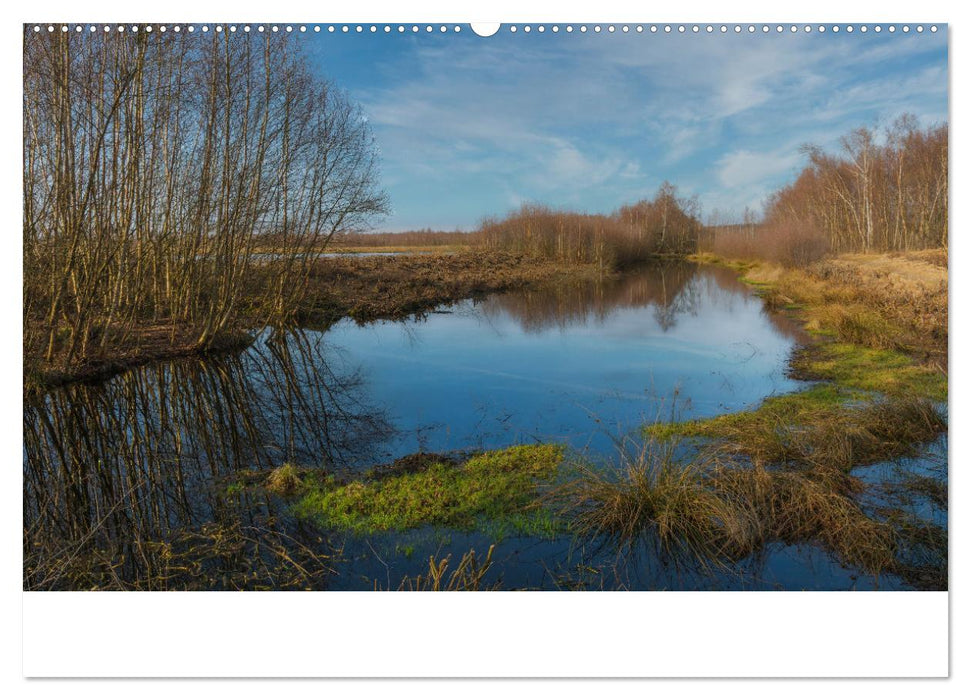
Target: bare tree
{"points": [[152, 165]]}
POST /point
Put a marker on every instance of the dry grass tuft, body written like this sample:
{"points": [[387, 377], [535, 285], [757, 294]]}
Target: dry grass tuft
{"points": [[710, 513], [284, 480], [469, 575], [652, 494], [805, 506]]}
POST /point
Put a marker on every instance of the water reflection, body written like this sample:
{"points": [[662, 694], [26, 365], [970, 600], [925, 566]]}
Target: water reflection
{"points": [[581, 302], [581, 363], [132, 483], [151, 455], [670, 291]]}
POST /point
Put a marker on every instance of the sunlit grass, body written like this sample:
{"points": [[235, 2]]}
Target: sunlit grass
{"points": [[823, 426], [705, 510], [871, 369], [494, 490]]}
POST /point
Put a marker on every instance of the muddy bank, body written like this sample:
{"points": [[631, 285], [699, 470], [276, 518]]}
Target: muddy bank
{"points": [[362, 288], [396, 287]]}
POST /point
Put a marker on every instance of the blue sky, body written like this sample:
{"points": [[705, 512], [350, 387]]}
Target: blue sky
{"points": [[469, 126]]}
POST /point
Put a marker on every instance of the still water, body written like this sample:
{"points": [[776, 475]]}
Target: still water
{"points": [[581, 364], [153, 454]]}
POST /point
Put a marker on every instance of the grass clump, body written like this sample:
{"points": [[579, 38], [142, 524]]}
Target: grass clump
{"points": [[709, 512], [824, 427], [499, 486], [808, 505], [869, 369], [468, 575], [652, 494], [284, 480]]}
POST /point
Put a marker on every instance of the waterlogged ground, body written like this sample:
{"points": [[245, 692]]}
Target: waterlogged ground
{"points": [[153, 469]]}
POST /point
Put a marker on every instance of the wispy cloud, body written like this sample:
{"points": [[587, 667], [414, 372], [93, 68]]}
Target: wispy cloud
{"points": [[743, 167], [469, 126]]}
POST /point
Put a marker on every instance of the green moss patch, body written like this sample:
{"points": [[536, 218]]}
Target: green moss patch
{"points": [[493, 491], [825, 426], [868, 369], [797, 407]]}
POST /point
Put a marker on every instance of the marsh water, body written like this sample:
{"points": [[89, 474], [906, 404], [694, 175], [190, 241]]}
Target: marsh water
{"points": [[157, 454]]}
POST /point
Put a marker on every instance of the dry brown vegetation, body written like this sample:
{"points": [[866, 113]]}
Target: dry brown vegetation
{"points": [[468, 575], [216, 556], [709, 512], [665, 225], [424, 238], [397, 287], [403, 241], [152, 164], [884, 301], [882, 192]]}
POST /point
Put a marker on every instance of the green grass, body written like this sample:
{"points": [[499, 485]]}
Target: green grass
{"points": [[869, 369], [495, 492], [795, 407], [825, 426]]}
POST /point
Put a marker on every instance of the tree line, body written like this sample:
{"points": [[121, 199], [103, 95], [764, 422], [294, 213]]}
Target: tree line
{"points": [[881, 191], [152, 164], [668, 224]]}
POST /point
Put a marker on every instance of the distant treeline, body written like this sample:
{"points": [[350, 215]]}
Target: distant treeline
{"points": [[665, 225], [422, 237], [876, 194]]}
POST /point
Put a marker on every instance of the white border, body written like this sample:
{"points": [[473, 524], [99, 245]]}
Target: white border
{"points": [[479, 634], [466, 635]]}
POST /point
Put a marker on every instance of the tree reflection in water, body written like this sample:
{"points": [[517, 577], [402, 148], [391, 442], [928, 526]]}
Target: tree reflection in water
{"points": [[141, 482], [673, 289], [133, 483]]}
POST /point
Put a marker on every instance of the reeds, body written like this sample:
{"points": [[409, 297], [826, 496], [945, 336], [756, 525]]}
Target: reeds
{"points": [[468, 575], [707, 512], [653, 496]]}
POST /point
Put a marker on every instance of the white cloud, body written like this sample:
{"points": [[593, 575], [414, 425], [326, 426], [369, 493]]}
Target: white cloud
{"points": [[591, 120], [742, 167]]}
